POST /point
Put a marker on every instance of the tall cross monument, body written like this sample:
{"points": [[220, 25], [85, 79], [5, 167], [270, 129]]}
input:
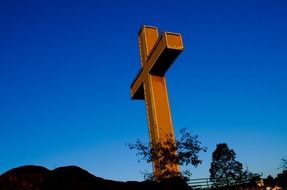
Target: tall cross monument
{"points": [[156, 54]]}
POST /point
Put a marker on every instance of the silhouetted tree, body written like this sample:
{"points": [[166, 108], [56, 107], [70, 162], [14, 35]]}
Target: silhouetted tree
{"points": [[281, 179], [224, 169], [269, 181], [250, 179], [283, 164], [182, 151]]}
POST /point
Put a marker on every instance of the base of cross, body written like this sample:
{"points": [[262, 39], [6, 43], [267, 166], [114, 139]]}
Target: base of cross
{"points": [[165, 164]]}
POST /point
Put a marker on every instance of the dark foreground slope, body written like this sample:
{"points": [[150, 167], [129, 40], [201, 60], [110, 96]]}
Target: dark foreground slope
{"points": [[74, 178]]}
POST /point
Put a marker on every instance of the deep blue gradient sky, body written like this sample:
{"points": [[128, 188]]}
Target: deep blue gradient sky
{"points": [[66, 69]]}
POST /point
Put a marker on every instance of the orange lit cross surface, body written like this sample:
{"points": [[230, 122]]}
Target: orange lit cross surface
{"points": [[156, 54]]}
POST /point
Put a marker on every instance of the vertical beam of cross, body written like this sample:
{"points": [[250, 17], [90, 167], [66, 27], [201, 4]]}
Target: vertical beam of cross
{"points": [[156, 54]]}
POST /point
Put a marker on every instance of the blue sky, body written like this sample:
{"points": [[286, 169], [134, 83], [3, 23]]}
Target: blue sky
{"points": [[66, 68]]}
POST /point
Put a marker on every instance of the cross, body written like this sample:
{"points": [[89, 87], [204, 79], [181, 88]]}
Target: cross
{"points": [[156, 54]]}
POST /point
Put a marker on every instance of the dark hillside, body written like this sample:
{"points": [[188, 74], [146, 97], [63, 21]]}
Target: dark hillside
{"points": [[74, 178]]}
